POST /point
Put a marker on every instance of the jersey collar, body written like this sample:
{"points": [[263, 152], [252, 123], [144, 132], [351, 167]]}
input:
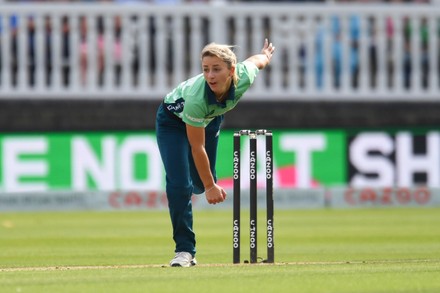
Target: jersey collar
{"points": [[211, 96]]}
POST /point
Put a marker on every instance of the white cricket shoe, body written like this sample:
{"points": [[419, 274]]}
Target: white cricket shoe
{"points": [[183, 259]]}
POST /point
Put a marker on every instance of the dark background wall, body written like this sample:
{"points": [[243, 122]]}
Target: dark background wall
{"points": [[112, 115]]}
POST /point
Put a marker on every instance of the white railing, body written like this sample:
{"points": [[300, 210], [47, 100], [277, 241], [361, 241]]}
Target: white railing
{"points": [[324, 52]]}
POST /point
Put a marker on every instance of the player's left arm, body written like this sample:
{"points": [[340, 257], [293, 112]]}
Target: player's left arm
{"points": [[263, 59]]}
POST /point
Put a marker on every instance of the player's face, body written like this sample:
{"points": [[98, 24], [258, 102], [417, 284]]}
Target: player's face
{"points": [[217, 74]]}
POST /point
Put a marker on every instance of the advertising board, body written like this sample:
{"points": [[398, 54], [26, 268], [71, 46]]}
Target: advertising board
{"points": [[112, 161]]}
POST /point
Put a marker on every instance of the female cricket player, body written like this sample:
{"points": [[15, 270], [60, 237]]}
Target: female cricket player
{"points": [[187, 129]]}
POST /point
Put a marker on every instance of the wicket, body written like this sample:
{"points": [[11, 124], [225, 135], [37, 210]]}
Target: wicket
{"points": [[253, 194]]}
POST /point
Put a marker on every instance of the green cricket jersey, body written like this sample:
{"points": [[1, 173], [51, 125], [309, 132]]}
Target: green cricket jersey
{"points": [[194, 102]]}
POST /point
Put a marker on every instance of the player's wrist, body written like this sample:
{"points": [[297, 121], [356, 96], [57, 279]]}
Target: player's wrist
{"points": [[209, 187]]}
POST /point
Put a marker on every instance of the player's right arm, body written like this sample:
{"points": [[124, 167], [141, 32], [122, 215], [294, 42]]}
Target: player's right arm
{"points": [[196, 137]]}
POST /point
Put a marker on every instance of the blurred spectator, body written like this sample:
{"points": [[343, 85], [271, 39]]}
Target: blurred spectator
{"points": [[336, 52], [83, 49], [389, 52], [134, 50], [14, 49], [372, 52], [302, 64], [407, 53], [424, 47], [65, 51], [354, 50], [101, 50], [319, 55], [48, 50], [117, 50], [31, 51], [302, 31]]}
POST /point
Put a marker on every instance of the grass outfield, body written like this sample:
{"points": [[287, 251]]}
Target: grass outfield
{"points": [[371, 250]]}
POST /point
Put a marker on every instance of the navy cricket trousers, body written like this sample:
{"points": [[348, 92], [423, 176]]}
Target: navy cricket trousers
{"points": [[182, 179]]}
